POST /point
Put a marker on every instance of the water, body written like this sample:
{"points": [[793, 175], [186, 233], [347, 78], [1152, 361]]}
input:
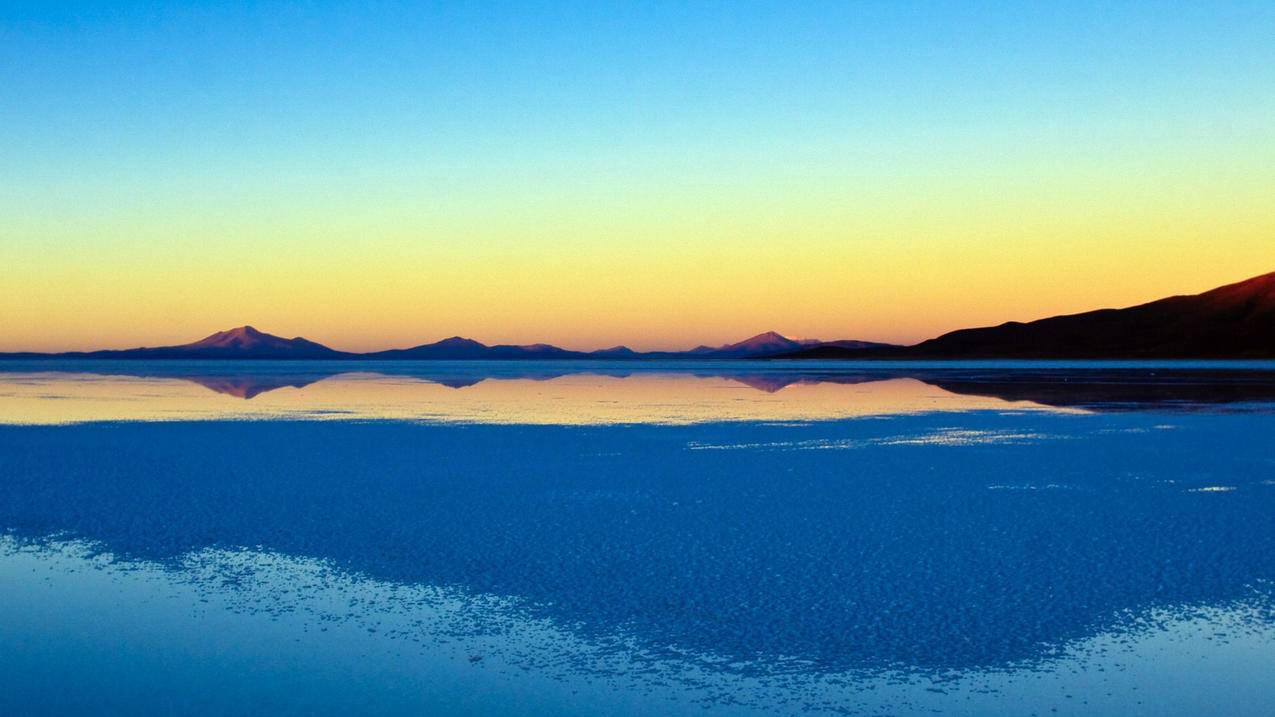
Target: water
{"points": [[648, 539]]}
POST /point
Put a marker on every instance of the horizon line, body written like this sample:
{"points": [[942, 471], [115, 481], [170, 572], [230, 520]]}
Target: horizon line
{"points": [[625, 346]]}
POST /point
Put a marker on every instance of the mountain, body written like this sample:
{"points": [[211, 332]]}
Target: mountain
{"points": [[764, 345], [457, 348], [244, 342], [248, 342], [1235, 321], [615, 352], [461, 349], [857, 345]]}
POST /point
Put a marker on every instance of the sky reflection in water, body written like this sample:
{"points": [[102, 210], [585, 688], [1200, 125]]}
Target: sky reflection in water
{"points": [[1116, 543], [533, 394], [597, 393]]}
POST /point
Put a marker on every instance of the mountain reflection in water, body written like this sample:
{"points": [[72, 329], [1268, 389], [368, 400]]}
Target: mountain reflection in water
{"points": [[821, 530], [602, 392]]}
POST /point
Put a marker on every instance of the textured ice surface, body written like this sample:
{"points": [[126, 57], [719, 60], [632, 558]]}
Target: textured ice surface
{"points": [[967, 563], [247, 632]]}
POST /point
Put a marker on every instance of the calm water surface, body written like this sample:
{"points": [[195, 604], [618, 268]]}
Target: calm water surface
{"points": [[647, 539]]}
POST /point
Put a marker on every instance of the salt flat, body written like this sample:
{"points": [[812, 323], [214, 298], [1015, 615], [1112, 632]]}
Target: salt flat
{"points": [[957, 554]]}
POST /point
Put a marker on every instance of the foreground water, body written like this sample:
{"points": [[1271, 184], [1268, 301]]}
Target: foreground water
{"points": [[637, 539]]}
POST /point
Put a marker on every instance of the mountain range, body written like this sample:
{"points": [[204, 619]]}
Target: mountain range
{"points": [[1236, 321], [249, 343]]}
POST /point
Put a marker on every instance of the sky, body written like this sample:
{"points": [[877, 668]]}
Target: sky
{"points": [[661, 175]]}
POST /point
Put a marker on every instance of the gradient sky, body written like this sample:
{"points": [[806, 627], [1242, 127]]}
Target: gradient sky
{"points": [[656, 174]]}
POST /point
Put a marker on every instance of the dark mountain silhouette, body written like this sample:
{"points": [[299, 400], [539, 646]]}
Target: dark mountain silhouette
{"points": [[1232, 322], [1236, 321], [615, 352], [764, 345], [244, 342], [247, 342], [457, 348]]}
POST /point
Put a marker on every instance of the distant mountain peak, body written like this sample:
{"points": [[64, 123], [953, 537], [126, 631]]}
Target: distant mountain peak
{"points": [[248, 342], [769, 340], [240, 337], [452, 341], [245, 331]]}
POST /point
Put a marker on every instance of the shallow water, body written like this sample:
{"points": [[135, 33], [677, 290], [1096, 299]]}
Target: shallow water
{"points": [[751, 538]]}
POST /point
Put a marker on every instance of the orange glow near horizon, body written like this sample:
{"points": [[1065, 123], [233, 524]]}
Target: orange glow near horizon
{"points": [[867, 307], [897, 258], [851, 172]]}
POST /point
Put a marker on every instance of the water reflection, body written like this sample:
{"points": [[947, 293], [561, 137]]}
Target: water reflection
{"points": [[412, 649], [845, 544], [583, 393], [463, 395], [688, 525]]}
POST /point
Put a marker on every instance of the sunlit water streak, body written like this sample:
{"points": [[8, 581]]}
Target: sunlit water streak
{"points": [[579, 399]]}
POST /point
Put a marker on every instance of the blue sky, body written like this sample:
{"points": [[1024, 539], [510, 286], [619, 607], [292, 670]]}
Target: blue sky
{"points": [[633, 145]]}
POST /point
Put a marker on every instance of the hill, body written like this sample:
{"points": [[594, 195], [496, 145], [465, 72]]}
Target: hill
{"points": [[1236, 321]]}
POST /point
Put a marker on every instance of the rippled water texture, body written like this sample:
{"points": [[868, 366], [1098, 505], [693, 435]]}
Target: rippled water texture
{"points": [[750, 538]]}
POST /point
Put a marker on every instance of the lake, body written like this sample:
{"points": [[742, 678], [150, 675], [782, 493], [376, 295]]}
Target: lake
{"points": [[642, 538]]}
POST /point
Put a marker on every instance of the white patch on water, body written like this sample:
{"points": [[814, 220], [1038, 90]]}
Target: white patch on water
{"points": [[1049, 486], [809, 445], [825, 444], [940, 437], [965, 437], [768, 446], [1124, 430], [1213, 489]]}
